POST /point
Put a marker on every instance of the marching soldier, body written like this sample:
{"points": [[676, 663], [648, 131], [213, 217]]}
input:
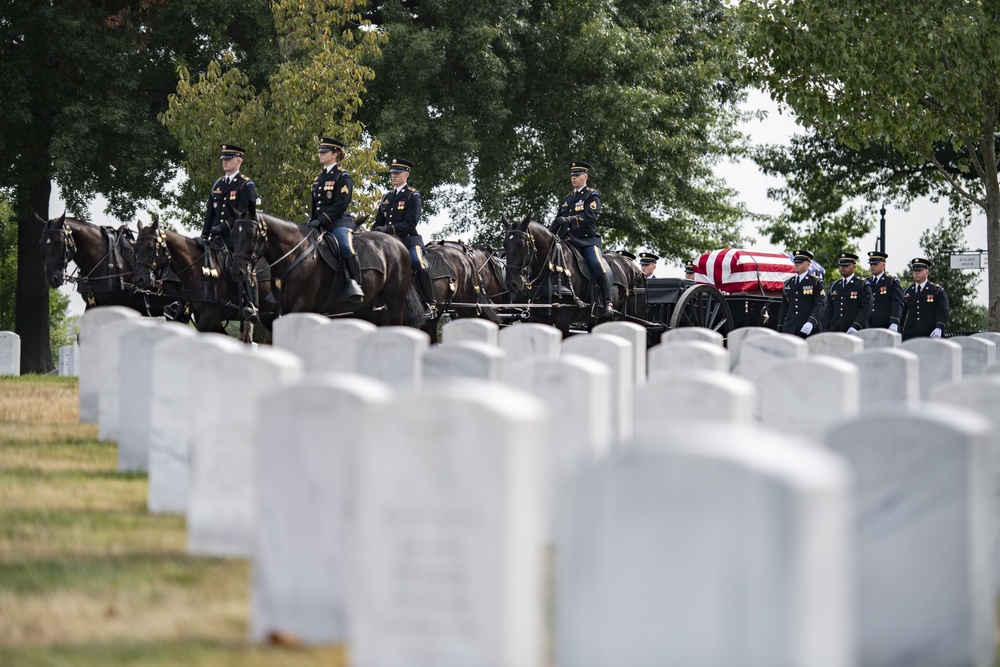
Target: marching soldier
{"points": [[577, 223], [647, 263], [925, 305], [331, 196], [803, 300], [850, 300], [233, 196], [887, 293], [398, 214]]}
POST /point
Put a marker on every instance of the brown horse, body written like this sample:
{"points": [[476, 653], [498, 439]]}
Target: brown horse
{"points": [[304, 282], [104, 258], [542, 269], [456, 280], [183, 269]]}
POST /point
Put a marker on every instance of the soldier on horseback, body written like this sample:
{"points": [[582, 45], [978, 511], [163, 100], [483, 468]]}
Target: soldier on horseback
{"points": [[331, 196], [577, 223], [398, 214], [233, 196]]}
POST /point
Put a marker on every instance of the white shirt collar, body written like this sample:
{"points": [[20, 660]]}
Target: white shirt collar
{"points": [[922, 285], [230, 179], [876, 276], [401, 187]]}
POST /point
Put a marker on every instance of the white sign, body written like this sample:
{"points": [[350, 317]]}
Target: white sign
{"points": [[970, 260]]}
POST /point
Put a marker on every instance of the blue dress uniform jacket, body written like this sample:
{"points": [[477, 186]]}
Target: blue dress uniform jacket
{"points": [[399, 213], [227, 203], [924, 312], [887, 293], [581, 209], [848, 305], [802, 301], [331, 195]]}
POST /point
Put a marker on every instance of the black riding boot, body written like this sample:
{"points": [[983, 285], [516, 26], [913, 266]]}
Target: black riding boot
{"points": [[427, 291], [352, 284], [250, 312], [605, 284]]}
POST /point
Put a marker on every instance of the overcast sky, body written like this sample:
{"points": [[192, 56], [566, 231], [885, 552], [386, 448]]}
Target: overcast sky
{"points": [[903, 228]]}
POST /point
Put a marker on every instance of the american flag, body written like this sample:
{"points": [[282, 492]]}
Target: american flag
{"points": [[732, 270]]}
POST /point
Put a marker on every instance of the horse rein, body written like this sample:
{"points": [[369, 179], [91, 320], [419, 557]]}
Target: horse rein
{"points": [[159, 241], [69, 250], [524, 271]]}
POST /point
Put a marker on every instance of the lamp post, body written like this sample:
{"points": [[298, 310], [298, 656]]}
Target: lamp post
{"points": [[880, 242]]}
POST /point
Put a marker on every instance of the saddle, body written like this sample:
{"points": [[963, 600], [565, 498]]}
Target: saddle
{"points": [[437, 266], [584, 267], [368, 257]]}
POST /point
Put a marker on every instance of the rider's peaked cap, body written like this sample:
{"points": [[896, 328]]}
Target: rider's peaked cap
{"points": [[579, 168], [400, 164], [231, 150], [329, 144]]}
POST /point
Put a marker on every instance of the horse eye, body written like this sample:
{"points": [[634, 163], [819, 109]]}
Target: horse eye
{"points": [[47, 241]]}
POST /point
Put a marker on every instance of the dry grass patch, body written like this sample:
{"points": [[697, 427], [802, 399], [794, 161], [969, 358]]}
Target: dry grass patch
{"points": [[38, 400]]}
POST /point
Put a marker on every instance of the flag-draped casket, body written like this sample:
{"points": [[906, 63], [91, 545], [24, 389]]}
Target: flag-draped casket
{"points": [[732, 270]]}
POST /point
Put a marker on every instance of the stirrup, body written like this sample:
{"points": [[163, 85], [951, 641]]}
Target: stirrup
{"points": [[249, 313], [353, 292], [430, 310], [173, 310]]}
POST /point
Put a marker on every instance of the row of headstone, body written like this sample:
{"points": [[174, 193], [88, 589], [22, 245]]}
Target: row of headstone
{"points": [[10, 353], [69, 361]]}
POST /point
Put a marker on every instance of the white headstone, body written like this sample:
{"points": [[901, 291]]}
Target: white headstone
{"points": [[463, 359], [181, 400], [109, 411], [922, 485], [634, 334], [334, 347], [981, 395], [879, 338], [991, 336], [69, 361], [221, 510], [93, 366], [712, 545], [805, 397], [471, 329], [691, 394], [760, 353], [449, 531], [687, 334], [290, 332], [305, 484], [666, 358], [940, 362], [834, 344], [528, 340], [890, 379], [977, 354], [615, 353], [10, 353], [392, 355], [736, 338], [137, 391]]}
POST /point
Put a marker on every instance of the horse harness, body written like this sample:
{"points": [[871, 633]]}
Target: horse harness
{"points": [[161, 272], [553, 266], [118, 241]]}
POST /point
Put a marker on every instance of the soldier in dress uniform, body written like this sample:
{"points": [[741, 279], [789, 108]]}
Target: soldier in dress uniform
{"points": [[925, 305], [233, 196], [850, 300], [331, 196], [577, 223], [647, 263], [689, 271], [887, 293], [803, 300], [398, 214]]}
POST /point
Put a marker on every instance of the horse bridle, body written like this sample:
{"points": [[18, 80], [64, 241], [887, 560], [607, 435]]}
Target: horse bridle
{"points": [[259, 242], [159, 240], [69, 249], [524, 271]]}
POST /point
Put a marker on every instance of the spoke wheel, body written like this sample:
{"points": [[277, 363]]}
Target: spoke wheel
{"points": [[702, 306]]}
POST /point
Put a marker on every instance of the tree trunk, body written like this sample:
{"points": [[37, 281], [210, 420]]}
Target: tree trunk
{"points": [[993, 263], [31, 319]]}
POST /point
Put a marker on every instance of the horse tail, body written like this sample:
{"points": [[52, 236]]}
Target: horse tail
{"points": [[413, 310]]}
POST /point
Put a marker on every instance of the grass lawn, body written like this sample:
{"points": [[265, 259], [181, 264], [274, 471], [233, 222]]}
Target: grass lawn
{"points": [[87, 576]]}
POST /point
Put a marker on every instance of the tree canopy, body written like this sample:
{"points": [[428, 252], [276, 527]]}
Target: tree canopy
{"points": [[919, 80], [499, 97]]}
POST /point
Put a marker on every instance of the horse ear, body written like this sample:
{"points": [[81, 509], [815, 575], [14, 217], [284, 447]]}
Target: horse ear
{"points": [[524, 223], [155, 217], [41, 219], [139, 225], [62, 218]]}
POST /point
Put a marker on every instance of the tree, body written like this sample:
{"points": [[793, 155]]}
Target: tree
{"points": [[960, 286], [499, 97], [909, 78], [316, 89], [81, 84]]}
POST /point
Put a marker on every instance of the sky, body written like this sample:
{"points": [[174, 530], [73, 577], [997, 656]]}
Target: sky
{"points": [[903, 227]]}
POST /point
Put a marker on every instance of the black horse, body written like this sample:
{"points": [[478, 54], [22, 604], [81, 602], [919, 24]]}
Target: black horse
{"points": [[105, 260], [542, 269], [304, 281], [185, 270], [457, 280]]}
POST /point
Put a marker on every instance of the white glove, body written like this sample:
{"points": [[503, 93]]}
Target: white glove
{"points": [[807, 328], [893, 327], [936, 333], [851, 330]]}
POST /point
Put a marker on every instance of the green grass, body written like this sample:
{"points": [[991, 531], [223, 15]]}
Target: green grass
{"points": [[87, 576]]}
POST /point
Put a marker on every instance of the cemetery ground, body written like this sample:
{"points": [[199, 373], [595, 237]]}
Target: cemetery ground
{"points": [[87, 576]]}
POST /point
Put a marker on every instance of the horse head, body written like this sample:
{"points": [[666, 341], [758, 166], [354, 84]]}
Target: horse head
{"points": [[152, 255], [249, 238], [525, 245], [58, 248]]}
